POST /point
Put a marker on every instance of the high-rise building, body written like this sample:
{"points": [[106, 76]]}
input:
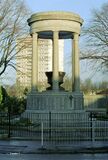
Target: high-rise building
{"points": [[23, 60]]}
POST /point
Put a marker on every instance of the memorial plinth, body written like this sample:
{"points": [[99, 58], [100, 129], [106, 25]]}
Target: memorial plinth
{"points": [[55, 26]]}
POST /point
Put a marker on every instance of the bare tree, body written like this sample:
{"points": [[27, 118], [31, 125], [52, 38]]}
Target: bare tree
{"points": [[13, 26], [96, 39]]}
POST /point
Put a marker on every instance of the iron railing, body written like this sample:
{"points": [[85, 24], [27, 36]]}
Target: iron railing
{"points": [[56, 127]]}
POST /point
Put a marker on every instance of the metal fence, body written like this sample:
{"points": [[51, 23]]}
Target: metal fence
{"points": [[56, 127]]}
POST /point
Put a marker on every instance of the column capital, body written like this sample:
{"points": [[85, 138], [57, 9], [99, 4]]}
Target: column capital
{"points": [[75, 36], [35, 34], [56, 34]]}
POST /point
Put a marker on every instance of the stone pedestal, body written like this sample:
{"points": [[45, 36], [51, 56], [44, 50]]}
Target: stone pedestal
{"points": [[40, 105], [54, 101]]}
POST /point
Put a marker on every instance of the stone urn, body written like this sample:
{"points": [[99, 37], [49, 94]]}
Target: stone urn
{"points": [[50, 76]]}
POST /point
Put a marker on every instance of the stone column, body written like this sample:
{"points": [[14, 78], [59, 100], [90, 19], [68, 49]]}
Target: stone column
{"points": [[34, 62], [55, 61], [73, 63], [76, 64]]}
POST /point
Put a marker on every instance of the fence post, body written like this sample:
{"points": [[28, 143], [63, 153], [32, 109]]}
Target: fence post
{"points": [[9, 122], [92, 126], [42, 138], [49, 125], [93, 131]]}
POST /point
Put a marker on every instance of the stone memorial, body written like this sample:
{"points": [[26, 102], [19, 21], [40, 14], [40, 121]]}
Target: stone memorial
{"points": [[55, 25]]}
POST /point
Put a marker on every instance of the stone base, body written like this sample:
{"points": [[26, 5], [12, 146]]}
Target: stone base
{"points": [[41, 105], [54, 101], [70, 118]]}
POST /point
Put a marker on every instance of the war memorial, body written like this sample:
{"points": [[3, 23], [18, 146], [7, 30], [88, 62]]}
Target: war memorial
{"points": [[57, 114], [55, 26]]}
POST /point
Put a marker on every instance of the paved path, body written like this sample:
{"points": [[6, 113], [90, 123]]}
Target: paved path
{"points": [[32, 147], [53, 157]]}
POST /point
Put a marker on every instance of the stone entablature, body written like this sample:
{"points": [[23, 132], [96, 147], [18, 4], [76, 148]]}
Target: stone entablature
{"points": [[65, 22], [55, 15]]}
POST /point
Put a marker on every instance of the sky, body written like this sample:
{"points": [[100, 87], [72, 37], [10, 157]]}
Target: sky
{"points": [[81, 7]]}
